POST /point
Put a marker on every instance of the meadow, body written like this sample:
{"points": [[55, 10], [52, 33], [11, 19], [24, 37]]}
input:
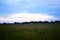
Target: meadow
{"points": [[30, 31]]}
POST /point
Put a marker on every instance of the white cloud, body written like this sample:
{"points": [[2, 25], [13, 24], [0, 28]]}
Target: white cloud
{"points": [[10, 2], [35, 2], [18, 5], [32, 3], [26, 17]]}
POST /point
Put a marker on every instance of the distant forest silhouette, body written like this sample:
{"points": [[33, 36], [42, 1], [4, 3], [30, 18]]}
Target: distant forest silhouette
{"points": [[33, 22]]}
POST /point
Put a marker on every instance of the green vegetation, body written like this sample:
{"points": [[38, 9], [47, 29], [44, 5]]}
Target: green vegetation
{"points": [[30, 31]]}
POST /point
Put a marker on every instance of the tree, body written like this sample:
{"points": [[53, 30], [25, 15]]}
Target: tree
{"points": [[45, 22], [57, 21], [16, 23], [51, 22], [39, 21]]}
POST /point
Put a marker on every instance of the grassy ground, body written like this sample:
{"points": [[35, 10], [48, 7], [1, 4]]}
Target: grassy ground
{"points": [[36, 31]]}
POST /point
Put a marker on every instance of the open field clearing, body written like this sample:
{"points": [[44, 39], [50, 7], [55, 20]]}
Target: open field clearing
{"points": [[32, 31]]}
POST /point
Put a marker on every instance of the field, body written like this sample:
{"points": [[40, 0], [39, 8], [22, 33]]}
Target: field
{"points": [[32, 31]]}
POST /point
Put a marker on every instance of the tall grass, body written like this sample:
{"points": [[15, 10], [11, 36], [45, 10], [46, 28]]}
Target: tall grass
{"points": [[37, 31]]}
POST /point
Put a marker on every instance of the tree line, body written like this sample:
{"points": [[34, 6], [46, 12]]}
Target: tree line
{"points": [[33, 22]]}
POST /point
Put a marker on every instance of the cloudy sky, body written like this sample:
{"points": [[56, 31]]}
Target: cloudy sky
{"points": [[29, 10]]}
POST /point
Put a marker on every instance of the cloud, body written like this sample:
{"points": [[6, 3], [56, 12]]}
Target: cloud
{"points": [[26, 17], [10, 2], [31, 3], [22, 5], [28, 7]]}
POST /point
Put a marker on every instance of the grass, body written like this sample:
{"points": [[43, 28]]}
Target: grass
{"points": [[36, 31]]}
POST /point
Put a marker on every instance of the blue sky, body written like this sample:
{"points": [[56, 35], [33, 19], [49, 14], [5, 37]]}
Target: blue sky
{"points": [[33, 10]]}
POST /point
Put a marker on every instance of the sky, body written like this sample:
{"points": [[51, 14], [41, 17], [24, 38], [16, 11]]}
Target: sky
{"points": [[29, 10]]}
